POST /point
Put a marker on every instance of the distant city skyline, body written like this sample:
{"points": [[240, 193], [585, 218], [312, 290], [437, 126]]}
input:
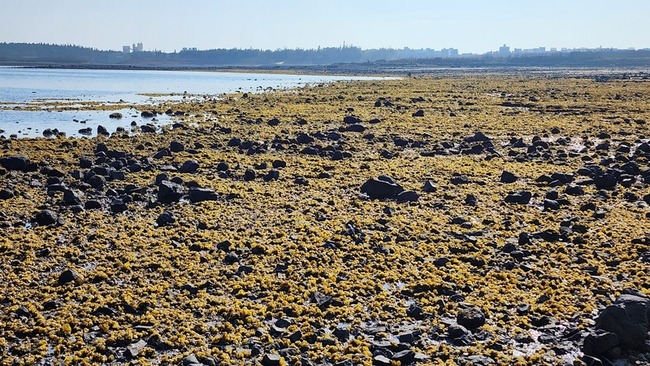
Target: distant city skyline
{"points": [[468, 26]]}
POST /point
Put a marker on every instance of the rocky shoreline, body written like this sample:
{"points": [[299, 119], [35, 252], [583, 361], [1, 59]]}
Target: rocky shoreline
{"points": [[465, 219]]}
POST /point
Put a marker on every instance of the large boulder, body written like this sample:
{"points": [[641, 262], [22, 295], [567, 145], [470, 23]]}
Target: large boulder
{"points": [[197, 194], [628, 318], [46, 217], [16, 162], [471, 318], [169, 192], [382, 187]]}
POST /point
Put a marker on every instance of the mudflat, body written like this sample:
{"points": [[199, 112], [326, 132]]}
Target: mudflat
{"points": [[447, 219]]}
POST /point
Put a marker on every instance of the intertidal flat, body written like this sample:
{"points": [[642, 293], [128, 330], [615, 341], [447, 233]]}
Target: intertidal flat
{"points": [[449, 219]]}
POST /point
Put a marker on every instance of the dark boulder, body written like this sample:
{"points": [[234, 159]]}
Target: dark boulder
{"points": [[92, 204], [271, 175], [381, 188], [115, 115], [68, 276], [304, 138], [477, 137], [86, 131], [599, 343], [176, 146], [197, 194], [271, 359], [101, 130], [418, 113], [507, 177], [118, 205], [356, 128], [16, 162], [71, 198], [551, 205], [457, 179], [169, 192], [457, 331], [574, 190], [46, 217], [96, 181], [249, 175], [147, 114], [629, 319], [407, 196], [234, 142], [165, 219], [351, 120], [222, 166], [429, 187], [190, 166], [605, 181], [471, 318], [6, 194], [415, 311], [404, 357], [85, 163], [522, 197], [148, 128]]}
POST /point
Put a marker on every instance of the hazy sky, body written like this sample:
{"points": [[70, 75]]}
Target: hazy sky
{"points": [[471, 26]]}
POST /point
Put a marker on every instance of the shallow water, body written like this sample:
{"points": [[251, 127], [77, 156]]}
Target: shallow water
{"points": [[44, 87], [33, 123]]}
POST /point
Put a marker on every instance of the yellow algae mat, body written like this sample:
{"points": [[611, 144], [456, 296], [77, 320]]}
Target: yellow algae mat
{"points": [[463, 219]]}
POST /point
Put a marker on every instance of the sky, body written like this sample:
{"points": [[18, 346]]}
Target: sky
{"points": [[471, 26]]}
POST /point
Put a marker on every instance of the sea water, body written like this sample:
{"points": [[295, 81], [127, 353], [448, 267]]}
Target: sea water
{"points": [[30, 98]]}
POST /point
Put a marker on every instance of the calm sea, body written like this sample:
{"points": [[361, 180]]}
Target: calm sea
{"points": [[44, 87]]}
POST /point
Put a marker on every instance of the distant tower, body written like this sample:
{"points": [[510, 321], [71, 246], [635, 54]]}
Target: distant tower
{"points": [[126, 49], [504, 50]]}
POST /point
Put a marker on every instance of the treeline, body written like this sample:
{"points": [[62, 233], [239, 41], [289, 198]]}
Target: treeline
{"points": [[22, 53], [48, 53], [70, 55]]}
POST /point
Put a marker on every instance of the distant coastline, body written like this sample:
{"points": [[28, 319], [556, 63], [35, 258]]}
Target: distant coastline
{"points": [[334, 61]]}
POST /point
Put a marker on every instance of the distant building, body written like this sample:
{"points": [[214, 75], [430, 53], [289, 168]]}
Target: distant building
{"points": [[126, 49], [504, 51], [138, 47]]}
